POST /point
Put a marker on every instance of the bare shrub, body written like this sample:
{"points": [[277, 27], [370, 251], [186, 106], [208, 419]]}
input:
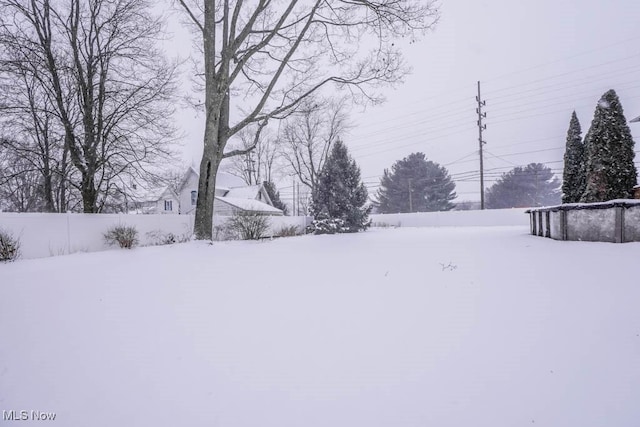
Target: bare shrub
{"points": [[125, 236], [248, 225], [222, 232], [159, 238], [9, 247], [288, 231]]}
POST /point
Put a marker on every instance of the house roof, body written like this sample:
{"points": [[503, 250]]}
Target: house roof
{"points": [[250, 205], [246, 192], [149, 194], [224, 180], [637, 119]]}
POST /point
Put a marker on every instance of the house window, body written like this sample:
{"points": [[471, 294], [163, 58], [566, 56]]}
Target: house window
{"points": [[168, 205], [194, 197]]}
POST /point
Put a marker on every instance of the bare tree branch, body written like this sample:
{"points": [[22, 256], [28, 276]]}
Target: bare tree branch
{"points": [[99, 74], [268, 58]]}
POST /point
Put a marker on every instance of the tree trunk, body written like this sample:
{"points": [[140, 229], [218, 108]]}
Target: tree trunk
{"points": [[89, 194], [49, 204], [62, 189], [203, 225]]}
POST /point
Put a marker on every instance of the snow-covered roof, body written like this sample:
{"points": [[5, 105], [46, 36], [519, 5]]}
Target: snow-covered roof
{"points": [[141, 194], [224, 180], [637, 119], [579, 206], [245, 192], [249, 205]]}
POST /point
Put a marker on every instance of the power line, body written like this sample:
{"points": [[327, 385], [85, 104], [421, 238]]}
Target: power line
{"points": [[562, 85], [563, 59], [566, 101], [431, 139], [572, 72]]}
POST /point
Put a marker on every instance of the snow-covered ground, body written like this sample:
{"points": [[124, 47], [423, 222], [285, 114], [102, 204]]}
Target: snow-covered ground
{"points": [[391, 327]]}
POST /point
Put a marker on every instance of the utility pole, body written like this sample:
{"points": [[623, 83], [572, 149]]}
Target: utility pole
{"points": [[293, 200], [481, 127], [298, 192]]}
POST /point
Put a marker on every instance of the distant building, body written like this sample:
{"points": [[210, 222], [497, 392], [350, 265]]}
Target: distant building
{"points": [[637, 119], [232, 195]]}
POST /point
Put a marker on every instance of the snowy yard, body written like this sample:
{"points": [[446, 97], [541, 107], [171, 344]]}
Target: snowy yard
{"points": [[391, 328]]}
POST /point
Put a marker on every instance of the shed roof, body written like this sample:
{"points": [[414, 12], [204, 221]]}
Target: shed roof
{"points": [[250, 205], [623, 203], [141, 194]]}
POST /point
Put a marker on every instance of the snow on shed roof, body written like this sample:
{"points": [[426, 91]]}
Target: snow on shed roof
{"points": [[250, 205], [637, 119]]}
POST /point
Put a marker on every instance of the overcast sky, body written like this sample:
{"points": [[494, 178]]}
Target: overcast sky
{"points": [[537, 61]]}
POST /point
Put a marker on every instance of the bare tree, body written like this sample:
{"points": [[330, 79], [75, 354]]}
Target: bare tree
{"points": [[269, 56], [308, 135], [103, 80], [257, 164], [34, 137], [20, 186]]}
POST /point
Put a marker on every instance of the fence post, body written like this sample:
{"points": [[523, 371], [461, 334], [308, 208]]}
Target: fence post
{"points": [[619, 227], [532, 223], [547, 218], [540, 226]]}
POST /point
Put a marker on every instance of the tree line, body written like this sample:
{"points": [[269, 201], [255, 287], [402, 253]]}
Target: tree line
{"points": [[87, 95]]}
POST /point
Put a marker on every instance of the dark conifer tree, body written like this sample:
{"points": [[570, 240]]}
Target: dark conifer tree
{"points": [[610, 172], [416, 184], [524, 187], [574, 182], [274, 195], [339, 193]]}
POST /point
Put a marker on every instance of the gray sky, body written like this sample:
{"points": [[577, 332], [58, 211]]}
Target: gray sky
{"points": [[537, 62]]}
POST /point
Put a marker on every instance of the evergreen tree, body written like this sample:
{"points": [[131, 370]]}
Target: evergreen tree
{"points": [[274, 195], [340, 194], [416, 184], [610, 172], [575, 181], [524, 187]]}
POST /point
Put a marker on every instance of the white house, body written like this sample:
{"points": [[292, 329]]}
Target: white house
{"points": [[232, 196], [151, 201]]}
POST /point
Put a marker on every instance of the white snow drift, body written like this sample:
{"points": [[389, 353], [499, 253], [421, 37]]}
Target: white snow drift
{"points": [[391, 328]]}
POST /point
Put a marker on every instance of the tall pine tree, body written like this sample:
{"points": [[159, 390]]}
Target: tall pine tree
{"points": [[610, 172], [416, 184], [575, 180], [339, 193]]}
